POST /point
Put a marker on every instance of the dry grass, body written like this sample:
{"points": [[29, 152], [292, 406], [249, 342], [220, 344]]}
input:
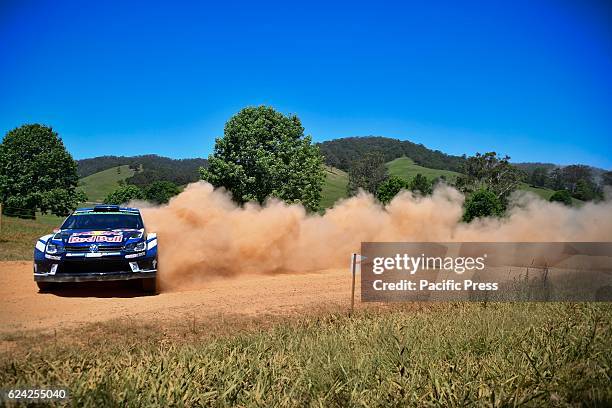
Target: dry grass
{"points": [[493, 354]]}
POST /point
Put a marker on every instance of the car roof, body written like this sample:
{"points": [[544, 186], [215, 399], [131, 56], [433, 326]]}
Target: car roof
{"points": [[107, 208]]}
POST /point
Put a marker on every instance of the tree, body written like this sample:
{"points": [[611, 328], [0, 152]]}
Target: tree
{"points": [[555, 180], [482, 203], [586, 190], [573, 174], [538, 177], [561, 196], [161, 192], [264, 153], [37, 172], [490, 172], [367, 173], [390, 188], [124, 194], [606, 178], [420, 184]]}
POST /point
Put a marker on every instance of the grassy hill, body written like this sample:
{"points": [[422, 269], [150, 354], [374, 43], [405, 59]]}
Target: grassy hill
{"points": [[340, 153], [337, 180], [406, 168], [545, 193], [100, 184], [334, 187], [153, 168]]}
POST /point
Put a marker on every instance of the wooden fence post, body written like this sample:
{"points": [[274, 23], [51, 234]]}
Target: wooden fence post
{"points": [[354, 267]]}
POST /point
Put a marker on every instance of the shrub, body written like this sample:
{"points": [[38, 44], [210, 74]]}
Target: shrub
{"points": [[390, 187], [482, 203], [561, 196], [124, 194], [161, 192]]}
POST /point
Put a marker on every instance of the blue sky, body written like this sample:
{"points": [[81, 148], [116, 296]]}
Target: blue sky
{"points": [[528, 78]]}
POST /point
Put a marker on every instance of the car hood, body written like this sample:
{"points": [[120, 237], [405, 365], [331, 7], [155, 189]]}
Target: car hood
{"points": [[101, 237]]}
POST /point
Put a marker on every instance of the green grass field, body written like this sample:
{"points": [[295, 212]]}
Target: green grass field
{"points": [[98, 185], [18, 236], [334, 187], [546, 193], [406, 168], [451, 355]]}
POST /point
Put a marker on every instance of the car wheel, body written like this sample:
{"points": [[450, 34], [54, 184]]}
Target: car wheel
{"points": [[148, 285], [43, 286]]}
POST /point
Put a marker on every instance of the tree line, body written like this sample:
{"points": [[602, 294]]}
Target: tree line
{"points": [[341, 153], [148, 168], [264, 153], [486, 179], [577, 180]]}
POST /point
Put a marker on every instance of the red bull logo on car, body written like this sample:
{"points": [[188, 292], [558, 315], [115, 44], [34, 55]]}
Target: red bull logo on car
{"points": [[95, 236]]}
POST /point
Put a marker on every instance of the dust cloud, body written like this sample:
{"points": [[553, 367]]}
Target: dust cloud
{"points": [[203, 234]]}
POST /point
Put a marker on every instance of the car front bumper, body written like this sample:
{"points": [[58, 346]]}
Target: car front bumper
{"points": [[103, 268], [94, 276]]}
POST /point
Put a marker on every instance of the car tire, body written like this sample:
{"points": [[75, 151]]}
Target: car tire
{"points": [[148, 285], [43, 286]]}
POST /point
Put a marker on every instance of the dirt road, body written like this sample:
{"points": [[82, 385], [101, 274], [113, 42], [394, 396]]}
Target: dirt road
{"points": [[23, 308]]}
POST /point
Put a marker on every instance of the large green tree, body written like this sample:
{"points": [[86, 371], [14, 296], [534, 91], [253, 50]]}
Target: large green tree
{"points": [[367, 172], [586, 190], [572, 176], [264, 153], [37, 173], [538, 177], [492, 173]]}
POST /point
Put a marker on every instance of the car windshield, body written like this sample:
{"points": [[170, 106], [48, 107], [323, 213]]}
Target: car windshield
{"points": [[103, 221]]}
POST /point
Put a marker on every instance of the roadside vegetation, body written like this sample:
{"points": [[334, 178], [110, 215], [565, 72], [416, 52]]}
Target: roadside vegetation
{"points": [[495, 354], [18, 235], [286, 165], [37, 173]]}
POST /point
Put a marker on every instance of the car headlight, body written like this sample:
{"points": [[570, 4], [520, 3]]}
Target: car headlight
{"points": [[54, 249], [139, 246], [137, 235]]}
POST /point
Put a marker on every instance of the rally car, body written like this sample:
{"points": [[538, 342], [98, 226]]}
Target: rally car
{"points": [[106, 242]]}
